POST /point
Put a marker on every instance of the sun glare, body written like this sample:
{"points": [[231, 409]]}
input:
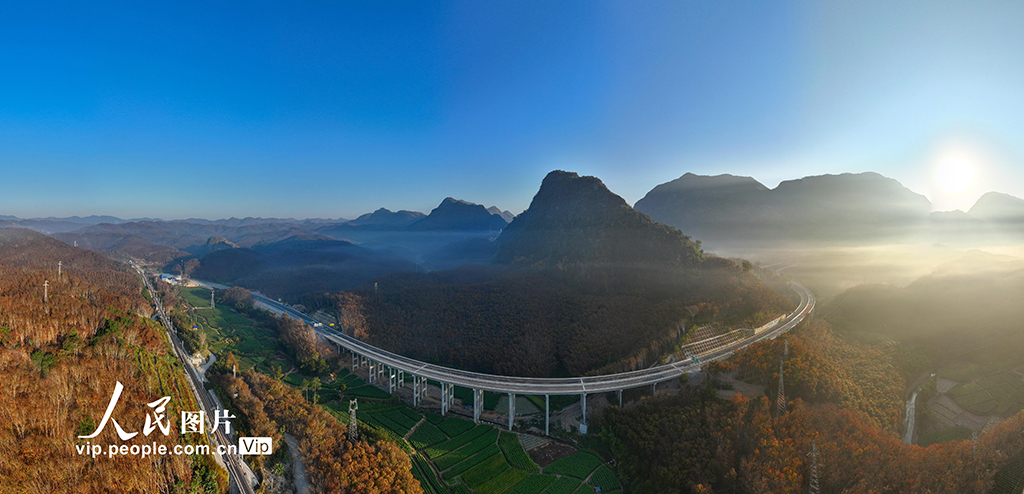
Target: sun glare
{"points": [[954, 175]]}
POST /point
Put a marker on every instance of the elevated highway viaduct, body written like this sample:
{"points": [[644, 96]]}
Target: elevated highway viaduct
{"points": [[399, 371]]}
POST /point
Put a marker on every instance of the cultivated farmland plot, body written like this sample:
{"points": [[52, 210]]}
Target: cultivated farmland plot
{"points": [[579, 465]]}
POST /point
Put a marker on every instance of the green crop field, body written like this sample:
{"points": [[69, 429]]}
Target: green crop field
{"points": [[451, 459], [1001, 393], [427, 435], [461, 468], [490, 468], [533, 484], [1010, 479], [196, 296], [457, 442], [421, 470], [579, 465], [952, 434], [454, 426], [515, 454], [564, 485], [604, 478], [585, 488], [255, 347], [502, 482]]}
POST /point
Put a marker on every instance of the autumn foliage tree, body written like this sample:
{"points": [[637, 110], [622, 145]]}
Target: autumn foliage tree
{"points": [[60, 360], [335, 464]]}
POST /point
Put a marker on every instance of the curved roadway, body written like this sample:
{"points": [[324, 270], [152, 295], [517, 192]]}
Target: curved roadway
{"points": [[546, 386]]}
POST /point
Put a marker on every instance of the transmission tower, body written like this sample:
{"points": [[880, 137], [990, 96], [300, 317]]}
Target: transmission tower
{"points": [[353, 429], [813, 488], [780, 401]]}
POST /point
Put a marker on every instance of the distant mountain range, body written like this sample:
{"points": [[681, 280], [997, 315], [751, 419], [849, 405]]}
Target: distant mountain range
{"points": [[451, 214], [862, 207]]}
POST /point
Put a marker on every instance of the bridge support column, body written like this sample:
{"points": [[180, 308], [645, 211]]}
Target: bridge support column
{"points": [[447, 397], [511, 410], [401, 378], [547, 414], [654, 389], [355, 361], [415, 390], [478, 405], [392, 380], [372, 376], [380, 369], [619, 393], [583, 407]]}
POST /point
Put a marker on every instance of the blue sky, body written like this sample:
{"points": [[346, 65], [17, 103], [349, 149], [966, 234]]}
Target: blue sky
{"points": [[328, 109]]}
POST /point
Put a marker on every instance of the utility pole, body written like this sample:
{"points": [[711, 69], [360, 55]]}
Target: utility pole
{"points": [[46, 291], [780, 401], [353, 429], [813, 488]]}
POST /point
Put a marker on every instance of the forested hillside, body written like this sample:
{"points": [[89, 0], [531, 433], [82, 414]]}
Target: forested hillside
{"points": [[843, 396], [581, 283], [335, 464], [59, 362]]}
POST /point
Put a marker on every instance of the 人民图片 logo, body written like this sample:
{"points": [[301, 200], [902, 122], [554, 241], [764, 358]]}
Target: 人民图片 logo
{"points": [[192, 422]]}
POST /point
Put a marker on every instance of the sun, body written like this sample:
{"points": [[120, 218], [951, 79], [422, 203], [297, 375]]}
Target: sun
{"points": [[954, 175]]}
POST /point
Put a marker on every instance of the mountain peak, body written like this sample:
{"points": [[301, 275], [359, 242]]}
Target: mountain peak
{"points": [[576, 220], [455, 214], [384, 217], [997, 206]]}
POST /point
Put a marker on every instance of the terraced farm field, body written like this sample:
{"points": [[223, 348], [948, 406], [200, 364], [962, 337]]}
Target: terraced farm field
{"points": [[453, 455], [999, 393]]}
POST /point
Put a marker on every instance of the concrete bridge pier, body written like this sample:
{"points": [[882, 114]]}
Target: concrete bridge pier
{"points": [[415, 391], [372, 376], [401, 378], [583, 407], [619, 394], [478, 405], [392, 380], [447, 397], [511, 410], [547, 415]]}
